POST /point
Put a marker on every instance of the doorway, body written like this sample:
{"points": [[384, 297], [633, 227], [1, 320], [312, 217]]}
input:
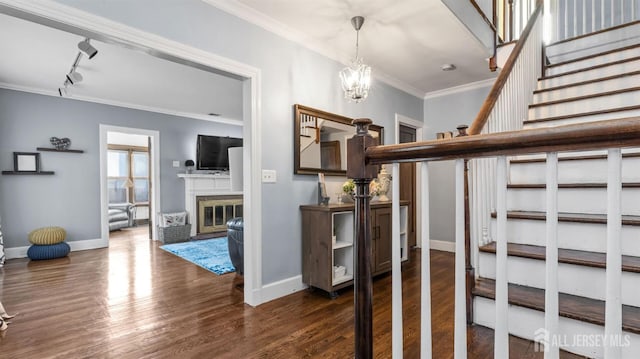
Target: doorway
{"points": [[408, 184], [129, 184], [95, 27], [410, 130]]}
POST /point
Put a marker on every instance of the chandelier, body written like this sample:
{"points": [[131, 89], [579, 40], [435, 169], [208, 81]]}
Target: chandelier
{"points": [[356, 78]]}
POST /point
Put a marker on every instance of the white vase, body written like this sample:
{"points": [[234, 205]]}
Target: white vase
{"points": [[384, 178]]}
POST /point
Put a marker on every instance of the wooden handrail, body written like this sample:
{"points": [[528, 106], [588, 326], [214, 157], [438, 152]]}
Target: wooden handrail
{"points": [[482, 117], [584, 136]]}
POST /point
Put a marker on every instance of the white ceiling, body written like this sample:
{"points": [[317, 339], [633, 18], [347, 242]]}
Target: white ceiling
{"points": [[36, 58], [406, 42]]}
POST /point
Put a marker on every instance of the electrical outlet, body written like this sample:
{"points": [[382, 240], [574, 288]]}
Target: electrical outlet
{"points": [[176, 163], [269, 176]]}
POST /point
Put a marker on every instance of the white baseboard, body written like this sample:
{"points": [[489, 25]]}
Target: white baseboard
{"points": [[16, 252], [281, 288], [21, 252], [442, 245]]}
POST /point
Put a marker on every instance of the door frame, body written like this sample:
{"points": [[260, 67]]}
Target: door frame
{"points": [[70, 19], [419, 127], [154, 175]]}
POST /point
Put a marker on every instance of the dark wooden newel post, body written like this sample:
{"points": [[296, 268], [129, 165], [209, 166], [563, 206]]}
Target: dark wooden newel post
{"points": [[362, 174]]}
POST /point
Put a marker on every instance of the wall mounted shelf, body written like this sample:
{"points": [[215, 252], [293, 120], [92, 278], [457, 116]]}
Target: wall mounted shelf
{"points": [[27, 173], [49, 149]]}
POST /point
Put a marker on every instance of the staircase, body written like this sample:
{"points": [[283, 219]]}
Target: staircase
{"points": [[590, 78]]}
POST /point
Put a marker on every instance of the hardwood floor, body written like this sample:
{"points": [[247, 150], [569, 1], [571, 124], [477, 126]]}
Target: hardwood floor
{"points": [[135, 300]]}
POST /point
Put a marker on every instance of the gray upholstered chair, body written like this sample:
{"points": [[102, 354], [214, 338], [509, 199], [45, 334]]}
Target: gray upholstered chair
{"points": [[235, 241], [120, 215]]}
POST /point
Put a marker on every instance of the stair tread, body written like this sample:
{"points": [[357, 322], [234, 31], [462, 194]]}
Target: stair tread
{"points": [[581, 114], [571, 306], [572, 158], [568, 256], [570, 185], [607, 52], [584, 97], [580, 83], [627, 220], [594, 67]]}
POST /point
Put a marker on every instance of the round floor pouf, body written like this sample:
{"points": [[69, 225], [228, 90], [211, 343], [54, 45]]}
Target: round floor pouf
{"points": [[51, 251], [47, 235]]}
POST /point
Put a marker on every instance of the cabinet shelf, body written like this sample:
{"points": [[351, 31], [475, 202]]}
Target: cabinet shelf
{"points": [[342, 244], [342, 279], [49, 149]]}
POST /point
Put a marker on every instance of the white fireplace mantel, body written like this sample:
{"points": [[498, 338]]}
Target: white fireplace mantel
{"points": [[201, 184]]}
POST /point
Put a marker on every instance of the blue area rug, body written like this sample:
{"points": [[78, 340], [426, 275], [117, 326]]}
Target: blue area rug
{"points": [[210, 254]]}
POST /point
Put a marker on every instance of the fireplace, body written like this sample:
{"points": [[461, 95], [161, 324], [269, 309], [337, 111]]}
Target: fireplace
{"points": [[213, 212]]}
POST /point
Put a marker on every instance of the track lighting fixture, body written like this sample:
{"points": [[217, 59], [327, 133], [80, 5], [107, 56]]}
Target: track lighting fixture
{"points": [[74, 77], [87, 48], [62, 91]]}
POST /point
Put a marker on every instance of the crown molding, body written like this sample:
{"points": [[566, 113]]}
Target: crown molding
{"points": [[101, 101], [257, 18], [461, 88]]}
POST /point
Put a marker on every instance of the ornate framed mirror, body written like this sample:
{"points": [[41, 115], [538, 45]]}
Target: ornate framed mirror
{"points": [[320, 141]]}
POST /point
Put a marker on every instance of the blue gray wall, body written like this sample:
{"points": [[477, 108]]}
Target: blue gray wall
{"points": [[445, 113], [71, 197], [291, 74]]}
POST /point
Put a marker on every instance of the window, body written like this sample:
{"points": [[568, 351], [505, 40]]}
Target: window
{"points": [[128, 174]]}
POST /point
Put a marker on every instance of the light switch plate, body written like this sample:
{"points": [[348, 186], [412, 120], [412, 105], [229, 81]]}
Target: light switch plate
{"points": [[269, 176], [176, 163]]}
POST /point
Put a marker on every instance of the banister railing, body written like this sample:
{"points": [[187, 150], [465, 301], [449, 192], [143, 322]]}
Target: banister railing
{"points": [[364, 158], [576, 18]]}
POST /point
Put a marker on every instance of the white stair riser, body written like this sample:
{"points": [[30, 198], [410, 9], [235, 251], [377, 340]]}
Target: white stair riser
{"points": [[588, 89], [590, 237], [574, 171], [594, 61], [524, 322], [572, 200], [584, 119], [593, 44], [575, 153], [599, 103], [531, 273], [592, 74]]}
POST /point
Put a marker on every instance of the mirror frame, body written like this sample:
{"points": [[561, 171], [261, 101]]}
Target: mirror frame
{"points": [[299, 110]]}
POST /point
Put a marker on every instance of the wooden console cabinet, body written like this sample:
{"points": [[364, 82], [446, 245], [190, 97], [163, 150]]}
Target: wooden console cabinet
{"points": [[328, 237]]}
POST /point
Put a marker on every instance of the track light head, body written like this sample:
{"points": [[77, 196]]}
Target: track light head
{"points": [[62, 91], [87, 48], [74, 77]]}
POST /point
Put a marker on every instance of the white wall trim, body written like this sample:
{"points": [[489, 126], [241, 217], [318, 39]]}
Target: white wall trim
{"points": [[16, 252], [21, 252], [257, 18], [281, 288], [123, 104], [443, 245], [461, 88], [52, 13], [155, 175]]}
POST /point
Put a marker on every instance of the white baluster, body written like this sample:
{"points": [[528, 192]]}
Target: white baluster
{"points": [[425, 268], [501, 336], [551, 312], [613, 306], [460, 312], [396, 270]]}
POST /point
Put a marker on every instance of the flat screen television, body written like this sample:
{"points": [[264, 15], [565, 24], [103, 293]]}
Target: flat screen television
{"points": [[212, 152]]}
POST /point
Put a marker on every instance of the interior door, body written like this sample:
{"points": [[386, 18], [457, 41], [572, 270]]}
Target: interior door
{"points": [[408, 184], [381, 231]]}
